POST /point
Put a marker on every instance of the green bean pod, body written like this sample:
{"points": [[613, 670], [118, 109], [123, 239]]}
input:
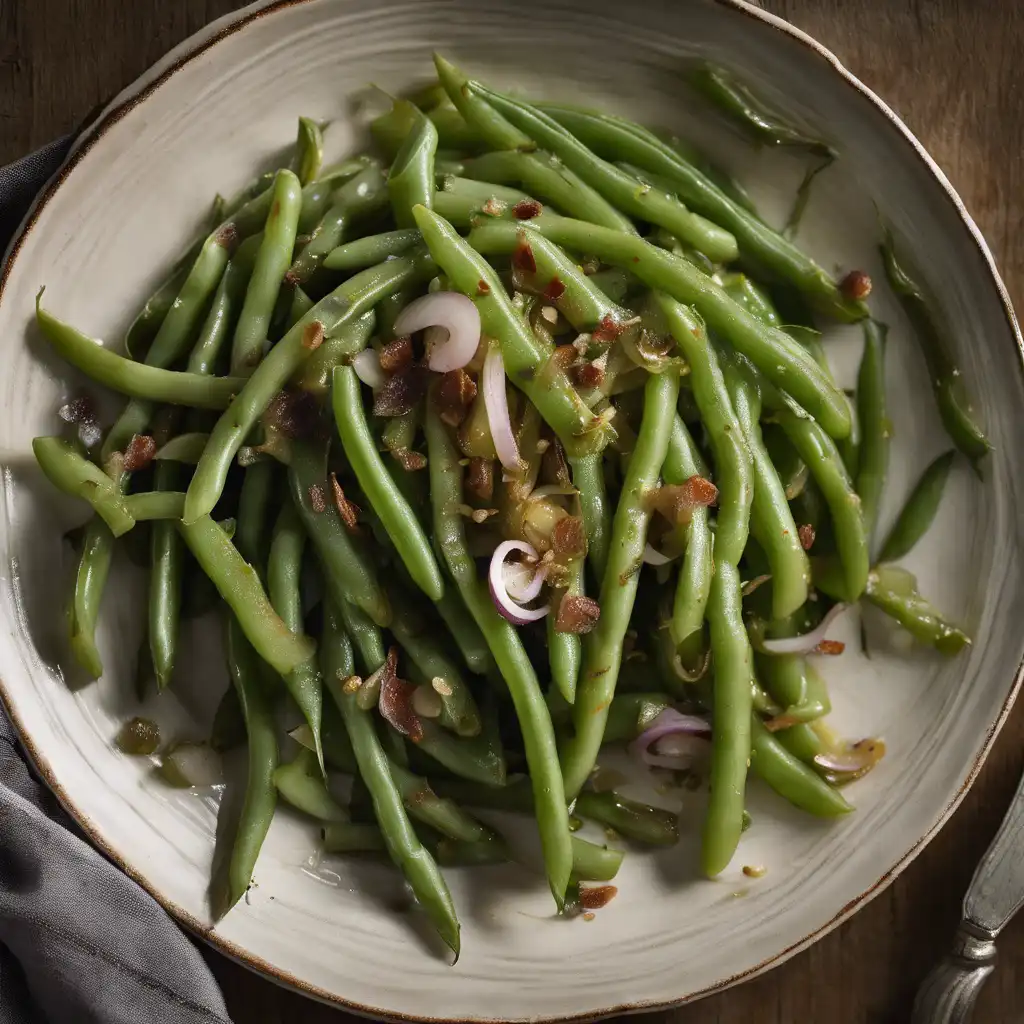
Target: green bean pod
{"points": [[588, 479], [565, 650], [164, 585], [411, 178], [309, 151], [372, 249], [875, 427], [894, 591], [639, 822], [301, 783], [919, 510], [316, 373], [465, 632], [84, 606]]}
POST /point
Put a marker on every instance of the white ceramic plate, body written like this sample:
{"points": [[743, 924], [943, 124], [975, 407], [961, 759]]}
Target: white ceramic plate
{"points": [[133, 195]]}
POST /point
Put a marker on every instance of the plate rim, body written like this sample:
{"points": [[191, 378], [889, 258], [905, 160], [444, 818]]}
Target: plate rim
{"points": [[137, 92]]}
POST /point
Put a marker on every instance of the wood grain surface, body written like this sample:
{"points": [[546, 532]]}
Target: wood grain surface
{"points": [[952, 70]]}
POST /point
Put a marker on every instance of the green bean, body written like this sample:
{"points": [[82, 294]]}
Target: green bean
{"points": [[588, 479], [309, 151], [404, 848], [626, 192], [386, 499], [411, 178], [372, 249], [801, 741], [436, 811], [342, 306], [603, 647], [344, 837], [90, 582], [271, 263], [876, 430], [790, 777], [314, 375], [511, 658], [632, 713], [697, 160], [683, 461], [919, 510], [752, 298], [593, 863], [390, 130], [794, 683], [565, 650], [573, 194], [301, 783], [72, 473], [465, 632], [239, 585], [947, 383], [733, 460], [731, 715], [164, 585], [318, 195], [526, 363], [823, 460], [771, 521], [185, 448], [453, 853], [894, 591], [284, 571], [349, 571], [547, 177], [364, 194], [144, 327], [636, 821], [252, 522], [146, 505], [781, 359], [260, 791]]}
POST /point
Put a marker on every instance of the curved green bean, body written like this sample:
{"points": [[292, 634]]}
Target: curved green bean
{"points": [[875, 428], [636, 821], [795, 684], [894, 591], [185, 448], [90, 582], [411, 178], [309, 151], [372, 249], [919, 510], [314, 375], [164, 584], [301, 782]]}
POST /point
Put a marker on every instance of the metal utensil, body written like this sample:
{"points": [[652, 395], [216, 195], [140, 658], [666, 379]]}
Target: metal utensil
{"points": [[948, 994]]}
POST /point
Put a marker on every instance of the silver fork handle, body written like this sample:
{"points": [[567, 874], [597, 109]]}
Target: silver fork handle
{"points": [[948, 994]]}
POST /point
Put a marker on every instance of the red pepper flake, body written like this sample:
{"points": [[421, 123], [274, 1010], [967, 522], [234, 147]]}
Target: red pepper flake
{"points": [[482, 287], [395, 701], [522, 257], [607, 329], [588, 375], [855, 286], [313, 335], [577, 614], [480, 479], [409, 460], [806, 535], [527, 209], [227, 236], [555, 289], [396, 355], [830, 647], [348, 510], [454, 395], [594, 897], [317, 498], [139, 453]]}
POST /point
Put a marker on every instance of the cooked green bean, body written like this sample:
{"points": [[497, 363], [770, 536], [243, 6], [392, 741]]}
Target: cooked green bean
{"points": [[465, 632], [185, 448], [875, 428], [345, 837], [918, 511], [301, 783], [588, 479], [372, 249], [894, 591], [411, 178], [593, 863], [252, 523], [309, 151], [164, 584], [390, 130], [795, 684], [565, 650], [631, 713], [603, 647], [636, 821], [90, 582], [314, 375]]}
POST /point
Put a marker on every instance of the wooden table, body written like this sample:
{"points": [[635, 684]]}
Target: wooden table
{"points": [[952, 70]]}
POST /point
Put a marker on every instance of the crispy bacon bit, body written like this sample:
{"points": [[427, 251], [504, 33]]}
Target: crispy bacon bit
{"points": [[294, 413], [676, 502], [494, 207], [577, 614], [396, 355], [409, 460], [830, 647], [400, 392], [317, 498], [594, 897], [607, 329], [527, 209], [555, 289], [139, 453], [480, 478], [855, 286], [522, 257], [568, 538], [455, 394], [348, 510], [588, 375], [806, 535], [564, 356], [395, 701], [482, 287], [292, 278], [227, 236], [313, 335]]}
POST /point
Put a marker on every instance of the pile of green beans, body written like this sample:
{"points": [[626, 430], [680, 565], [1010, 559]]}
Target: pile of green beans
{"points": [[686, 485]]}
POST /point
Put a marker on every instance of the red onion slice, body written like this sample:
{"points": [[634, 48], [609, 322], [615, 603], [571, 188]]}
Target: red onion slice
{"points": [[807, 642], [659, 746], [455, 313], [512, 611], [496, 402], [852, 761], [367, 367], [522, 583]]}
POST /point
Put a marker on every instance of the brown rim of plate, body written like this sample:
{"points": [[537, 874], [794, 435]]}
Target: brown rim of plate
{"points": [[195, 48]]}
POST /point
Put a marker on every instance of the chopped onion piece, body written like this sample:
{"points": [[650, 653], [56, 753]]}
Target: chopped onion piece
{"points": [[453, 312], [496, 403], [669, 741], [806, 643], [851, 762], [512, 611], [653, 557], [367, 367]]}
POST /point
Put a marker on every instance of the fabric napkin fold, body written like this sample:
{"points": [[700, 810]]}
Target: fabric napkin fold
{"points": [[80, 942]]}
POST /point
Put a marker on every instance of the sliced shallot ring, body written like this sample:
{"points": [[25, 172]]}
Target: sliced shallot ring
{"points": [[492, 380], [806, 642], [512, 611], [455, 313], [367, 367]]}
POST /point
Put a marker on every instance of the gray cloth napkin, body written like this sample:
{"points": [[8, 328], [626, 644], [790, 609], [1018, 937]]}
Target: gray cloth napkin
{"points": [[80, 942]]}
